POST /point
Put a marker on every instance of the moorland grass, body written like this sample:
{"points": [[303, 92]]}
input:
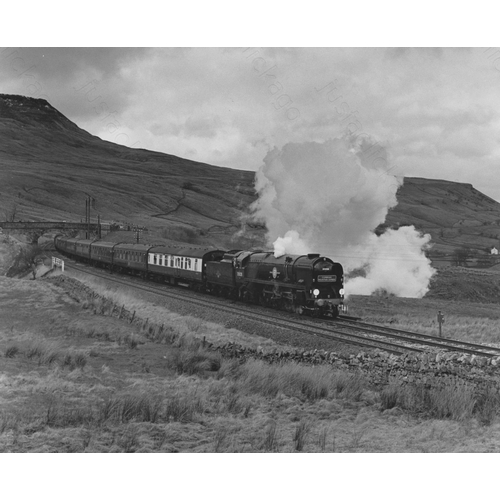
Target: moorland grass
{"points": [[454, 399], [205, 402]]}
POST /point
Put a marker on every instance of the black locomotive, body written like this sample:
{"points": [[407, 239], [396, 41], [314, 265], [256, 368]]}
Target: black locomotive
{"points": [[306, 284]]}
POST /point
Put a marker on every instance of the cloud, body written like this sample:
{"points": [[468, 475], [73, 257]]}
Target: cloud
{"points": [[426, 106]]}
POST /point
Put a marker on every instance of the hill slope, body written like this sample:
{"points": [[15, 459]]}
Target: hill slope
{"points": [[455, 214], [48, 164]]}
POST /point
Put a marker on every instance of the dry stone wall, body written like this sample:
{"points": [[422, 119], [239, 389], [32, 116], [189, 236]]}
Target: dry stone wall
{"points": [[431, 368]]}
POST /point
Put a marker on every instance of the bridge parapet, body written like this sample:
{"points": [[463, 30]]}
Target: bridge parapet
{"points": [[83, 226]]}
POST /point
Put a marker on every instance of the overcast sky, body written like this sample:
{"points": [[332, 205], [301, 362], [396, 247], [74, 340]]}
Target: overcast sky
{"points": [[436, 111]]}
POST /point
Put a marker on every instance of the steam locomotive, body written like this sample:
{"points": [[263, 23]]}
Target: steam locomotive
{"points": [[305, 284]]}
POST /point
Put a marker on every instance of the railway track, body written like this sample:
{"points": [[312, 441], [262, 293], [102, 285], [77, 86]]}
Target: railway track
{"points": [[345, 330], [422, 338]]}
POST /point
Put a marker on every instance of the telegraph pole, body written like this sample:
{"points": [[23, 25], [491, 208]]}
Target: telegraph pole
{"points": [[89, 201]]}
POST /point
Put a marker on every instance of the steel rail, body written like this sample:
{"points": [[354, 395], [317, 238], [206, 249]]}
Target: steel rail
{"points": [[312, 326], [423, 338], [261, 316]]}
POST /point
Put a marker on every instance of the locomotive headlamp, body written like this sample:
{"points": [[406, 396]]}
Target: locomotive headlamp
{"points": [[341, 291], [315, 292]]}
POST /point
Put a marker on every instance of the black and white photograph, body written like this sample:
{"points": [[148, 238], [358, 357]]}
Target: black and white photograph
{"points": [[282, 249]]}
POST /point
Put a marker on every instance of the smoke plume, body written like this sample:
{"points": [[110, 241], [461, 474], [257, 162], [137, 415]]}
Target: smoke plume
{"points": [[328, 198]]}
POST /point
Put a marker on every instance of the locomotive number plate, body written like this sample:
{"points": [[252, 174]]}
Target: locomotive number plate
{"points": [[325, 277]]}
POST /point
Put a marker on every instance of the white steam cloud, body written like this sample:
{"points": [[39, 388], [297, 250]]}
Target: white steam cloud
{"points": [[328, 198]]}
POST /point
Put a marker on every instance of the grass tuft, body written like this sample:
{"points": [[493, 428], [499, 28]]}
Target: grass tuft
{"points": [[194, 360], [300, 435], [271, 437], [12, 351]]}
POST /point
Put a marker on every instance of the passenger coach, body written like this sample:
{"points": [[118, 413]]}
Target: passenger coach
{"points": [[183, 265]]}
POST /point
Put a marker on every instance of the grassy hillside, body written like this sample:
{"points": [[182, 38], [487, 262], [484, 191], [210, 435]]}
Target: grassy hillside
{"points": [[48, 165], [456, 216]]}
